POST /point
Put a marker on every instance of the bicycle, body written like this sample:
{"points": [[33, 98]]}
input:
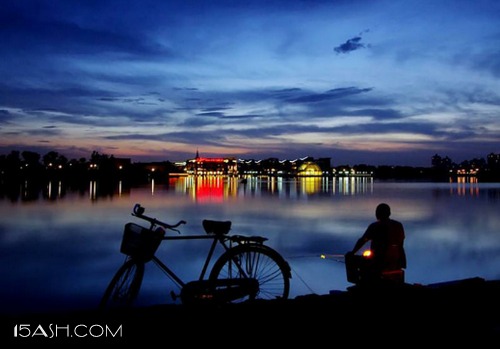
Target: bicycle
{"points": [[245, 270]]}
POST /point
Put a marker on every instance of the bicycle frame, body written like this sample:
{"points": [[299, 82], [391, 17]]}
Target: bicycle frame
{"points": [[216, 240]]}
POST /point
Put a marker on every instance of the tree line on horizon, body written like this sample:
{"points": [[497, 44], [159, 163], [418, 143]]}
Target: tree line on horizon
{"points": [[18, 165]]}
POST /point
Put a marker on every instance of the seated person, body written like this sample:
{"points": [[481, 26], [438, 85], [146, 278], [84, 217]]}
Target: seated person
{"points": [[387, 259]]}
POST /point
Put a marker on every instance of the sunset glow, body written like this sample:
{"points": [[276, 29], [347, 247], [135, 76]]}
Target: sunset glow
{"points": [[365, 82]]}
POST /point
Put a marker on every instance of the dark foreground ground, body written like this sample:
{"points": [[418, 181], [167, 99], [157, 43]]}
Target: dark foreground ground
{"points": [[462, 312]]}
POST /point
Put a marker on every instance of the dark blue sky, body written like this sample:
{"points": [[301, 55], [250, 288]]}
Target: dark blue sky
{"points": [[378, 82]]}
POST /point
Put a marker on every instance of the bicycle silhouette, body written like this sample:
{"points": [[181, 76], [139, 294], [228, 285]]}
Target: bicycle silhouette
{"points": [[246, 269]]}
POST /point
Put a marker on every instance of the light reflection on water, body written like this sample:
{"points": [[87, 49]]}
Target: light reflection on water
{"points": [[59, 246]]}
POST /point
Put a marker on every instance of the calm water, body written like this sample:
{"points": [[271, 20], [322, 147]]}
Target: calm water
{"points": [[59, 248]]}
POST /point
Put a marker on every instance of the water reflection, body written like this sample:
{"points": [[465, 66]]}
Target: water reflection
{"points": [[55, 189], [62, 248], [216, 189], [466, 186], [51, 190], [355, 185]]}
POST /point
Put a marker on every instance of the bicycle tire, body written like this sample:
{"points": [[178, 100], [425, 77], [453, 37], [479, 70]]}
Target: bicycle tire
{"points": [[261, 262], [124, 287]]}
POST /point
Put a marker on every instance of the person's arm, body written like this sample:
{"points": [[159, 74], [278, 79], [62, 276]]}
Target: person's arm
{"points": [[367, 236], [361, 241]]}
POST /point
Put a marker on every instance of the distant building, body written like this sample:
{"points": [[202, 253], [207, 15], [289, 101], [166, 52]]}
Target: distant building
{"points": [[439, 162], [202, 166], [309, 169]]}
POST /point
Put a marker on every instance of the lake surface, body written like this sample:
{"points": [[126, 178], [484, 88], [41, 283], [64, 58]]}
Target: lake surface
{"points": [[59, 247]]}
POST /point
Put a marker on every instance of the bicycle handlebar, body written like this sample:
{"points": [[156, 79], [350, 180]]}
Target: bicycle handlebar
{"points": [[138, 212]]}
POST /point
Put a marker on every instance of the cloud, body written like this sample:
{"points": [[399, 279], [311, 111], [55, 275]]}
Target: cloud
{"points": [[46, 35], [266, 88], [350, 45], [488, 61], [379, 114], [5, 116], [330, 94]]}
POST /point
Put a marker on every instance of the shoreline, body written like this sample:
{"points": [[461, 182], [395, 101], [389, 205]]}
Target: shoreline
{"points": [[461, 309]]}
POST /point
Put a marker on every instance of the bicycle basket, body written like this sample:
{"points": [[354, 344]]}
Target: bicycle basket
{"points": [[139, 242]]}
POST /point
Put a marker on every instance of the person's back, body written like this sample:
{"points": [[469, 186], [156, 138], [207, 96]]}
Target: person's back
{"points": [[387, 238]]}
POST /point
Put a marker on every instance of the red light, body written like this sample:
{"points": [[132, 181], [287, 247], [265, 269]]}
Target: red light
{"points": [[209, 190], [210, 159]]}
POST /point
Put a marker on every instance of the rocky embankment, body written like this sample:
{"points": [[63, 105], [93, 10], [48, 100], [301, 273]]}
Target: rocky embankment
{"points": [[463, 311]]}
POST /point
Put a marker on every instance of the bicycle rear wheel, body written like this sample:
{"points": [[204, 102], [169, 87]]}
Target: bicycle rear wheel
{"points": [[261, 262], [124, 287]]}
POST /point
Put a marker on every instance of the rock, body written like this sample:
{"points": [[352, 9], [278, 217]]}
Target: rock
{"points": [[457, 311]]}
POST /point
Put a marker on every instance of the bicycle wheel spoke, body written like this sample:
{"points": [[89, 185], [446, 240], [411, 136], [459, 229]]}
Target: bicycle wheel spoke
{"points": [[257, 262], [124, 287]]}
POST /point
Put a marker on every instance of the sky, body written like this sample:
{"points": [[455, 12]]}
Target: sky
{"points": [[358, 81]]}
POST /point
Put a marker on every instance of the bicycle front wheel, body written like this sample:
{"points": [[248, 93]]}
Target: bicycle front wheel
{"points": [[260, 262], [124, 288]]}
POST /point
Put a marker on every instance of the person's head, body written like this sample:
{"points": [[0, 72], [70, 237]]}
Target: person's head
{"points": [[383, 211]]}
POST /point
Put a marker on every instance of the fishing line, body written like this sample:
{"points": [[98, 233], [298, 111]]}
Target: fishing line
{"points": [[303, 281], [332, 257]]}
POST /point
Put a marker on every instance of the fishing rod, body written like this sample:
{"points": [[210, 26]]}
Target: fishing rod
{"points": [[335, 257], [366, 254]]}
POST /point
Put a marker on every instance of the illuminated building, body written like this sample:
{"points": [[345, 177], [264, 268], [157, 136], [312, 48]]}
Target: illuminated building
{"points": [[309, 169], [202, 166]]}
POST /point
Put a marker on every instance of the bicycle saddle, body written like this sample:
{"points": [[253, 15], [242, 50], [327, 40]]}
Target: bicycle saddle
{"points": [[216, 227]]}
